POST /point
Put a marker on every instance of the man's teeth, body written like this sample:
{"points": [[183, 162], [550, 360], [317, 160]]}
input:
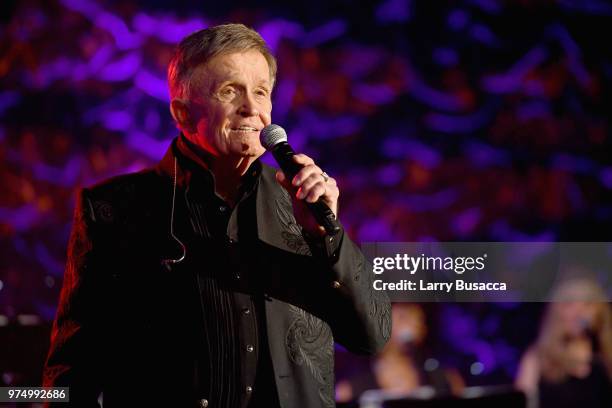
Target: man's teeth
{"points": [[248, 128]]}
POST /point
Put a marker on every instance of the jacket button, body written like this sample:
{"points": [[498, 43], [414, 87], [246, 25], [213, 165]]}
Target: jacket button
{"points": [[246, 311], [335, 284], [203, 403], [250, 348], [248, 389]]}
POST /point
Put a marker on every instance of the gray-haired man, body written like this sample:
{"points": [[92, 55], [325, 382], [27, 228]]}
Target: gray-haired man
{"points": [[204, 281]]}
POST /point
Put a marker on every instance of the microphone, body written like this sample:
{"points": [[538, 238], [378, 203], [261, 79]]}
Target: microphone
{"points": [[274, 139]]}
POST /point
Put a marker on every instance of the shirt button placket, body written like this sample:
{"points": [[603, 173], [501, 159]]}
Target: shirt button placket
{"points": [[251, 357], [232, 246]]}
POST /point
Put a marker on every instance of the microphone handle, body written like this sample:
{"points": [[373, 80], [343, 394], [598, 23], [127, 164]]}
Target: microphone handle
{"points": [[283, 153]]}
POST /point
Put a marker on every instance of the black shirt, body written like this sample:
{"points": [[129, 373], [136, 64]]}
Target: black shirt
{"points": [[234, 364]]}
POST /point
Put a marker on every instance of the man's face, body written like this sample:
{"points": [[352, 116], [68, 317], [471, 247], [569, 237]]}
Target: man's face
{"points": [[230, 103]]}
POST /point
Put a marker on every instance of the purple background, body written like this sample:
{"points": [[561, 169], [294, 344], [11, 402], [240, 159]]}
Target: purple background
{"points": [[447, 120]]}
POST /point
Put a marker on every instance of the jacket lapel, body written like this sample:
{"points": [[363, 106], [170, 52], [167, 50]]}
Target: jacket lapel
{"points": [[276, 225]]}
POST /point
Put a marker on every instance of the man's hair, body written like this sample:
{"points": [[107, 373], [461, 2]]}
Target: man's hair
{"points": [[201, 46]]}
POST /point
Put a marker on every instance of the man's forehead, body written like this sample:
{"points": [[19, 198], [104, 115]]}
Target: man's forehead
{"points": [[227, 66]]}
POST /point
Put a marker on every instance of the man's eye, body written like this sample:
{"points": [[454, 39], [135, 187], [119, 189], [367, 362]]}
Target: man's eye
{"points": [[261, 92], [227, 91]]}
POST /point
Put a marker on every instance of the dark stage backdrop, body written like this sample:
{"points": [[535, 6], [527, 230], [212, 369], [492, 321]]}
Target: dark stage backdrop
{"points": [[441, 120]]}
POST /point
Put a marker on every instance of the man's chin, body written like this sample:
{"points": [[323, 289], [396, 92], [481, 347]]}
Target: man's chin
{"points": [[249, 155], [250, 151]]}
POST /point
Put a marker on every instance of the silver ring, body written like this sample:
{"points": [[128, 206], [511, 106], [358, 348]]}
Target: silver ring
{"points": [[325, 176]]}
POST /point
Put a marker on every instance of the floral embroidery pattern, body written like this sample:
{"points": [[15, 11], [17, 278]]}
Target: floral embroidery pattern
{"points": [[292, 234], [309, 341]]}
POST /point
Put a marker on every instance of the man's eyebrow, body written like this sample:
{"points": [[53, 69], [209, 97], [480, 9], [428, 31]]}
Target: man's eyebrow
{"points": [[232, 81]]}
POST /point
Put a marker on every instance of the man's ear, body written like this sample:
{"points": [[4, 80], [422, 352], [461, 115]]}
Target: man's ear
{"points": [[182, 116]]}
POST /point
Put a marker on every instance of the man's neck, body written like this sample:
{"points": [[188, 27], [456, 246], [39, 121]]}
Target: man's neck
{"points": [[228, 175], [227, 172]]}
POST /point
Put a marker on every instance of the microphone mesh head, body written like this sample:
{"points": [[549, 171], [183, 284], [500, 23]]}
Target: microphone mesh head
{"points": [[271, 135]]}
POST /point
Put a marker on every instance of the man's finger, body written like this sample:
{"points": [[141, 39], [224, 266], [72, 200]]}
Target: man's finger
{"points": [[313, 179], [305, 173], [301, 158], [318, 190]]}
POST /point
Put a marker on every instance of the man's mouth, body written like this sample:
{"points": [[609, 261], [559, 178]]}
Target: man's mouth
{"points": [[245, 129]]}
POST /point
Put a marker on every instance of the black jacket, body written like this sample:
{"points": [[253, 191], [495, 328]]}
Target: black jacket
{"points": [[120, 325]]}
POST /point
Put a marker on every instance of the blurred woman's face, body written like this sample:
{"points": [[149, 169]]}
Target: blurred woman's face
{"points": [[408, 325], [576, 317]]}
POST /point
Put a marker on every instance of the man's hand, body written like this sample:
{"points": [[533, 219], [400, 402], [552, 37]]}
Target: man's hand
{"points": [[308, 186]]}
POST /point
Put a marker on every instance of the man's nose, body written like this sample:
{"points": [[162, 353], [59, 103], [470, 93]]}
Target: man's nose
{"points": [[248, 106]]}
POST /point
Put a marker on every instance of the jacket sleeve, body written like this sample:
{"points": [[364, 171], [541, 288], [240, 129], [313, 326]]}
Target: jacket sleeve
{"points": [[359, 316], [73, 355]]}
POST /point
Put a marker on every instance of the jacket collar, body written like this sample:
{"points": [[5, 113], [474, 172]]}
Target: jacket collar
{"points": [[169, 168]]}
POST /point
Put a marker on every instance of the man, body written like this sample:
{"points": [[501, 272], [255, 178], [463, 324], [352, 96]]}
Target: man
{"points": [[204, 281]]}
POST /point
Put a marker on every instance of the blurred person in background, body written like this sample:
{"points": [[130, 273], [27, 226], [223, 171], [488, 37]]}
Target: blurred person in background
{"points": [[404, 367], [570, 365]]}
